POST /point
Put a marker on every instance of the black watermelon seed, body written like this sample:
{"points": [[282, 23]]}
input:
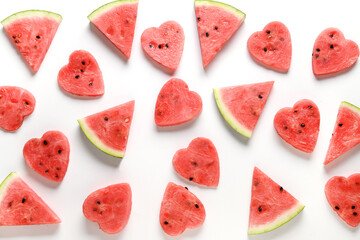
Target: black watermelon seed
{"points": [[340, 124], [186, 188], [317, 56], [47, 170], [331, 46], [81, 70], [167, 45], [309, 107], [17, 41], [354, 213], [159, 46], [331, 35], [40, 163], [83, 62], [14, 37], [38, 37], [285, 127], [281, 189], [150, 45], [312, 54], [300, 131], [57, 168], [265, 49], [260, 96], [196, 205], [166, 223], [191, 178], [10, 204], [268, 31], [198, 18], [90, 83], [45, 142], [194, 163], [26, 103], [106, 118], [98, 202], [77, 76], [216, 28], [23, 200], [318, 49], [57, 176], [207, 34], [337, 208], [302, 125], [295, 111], [260, 208], [127, 21], [352, 207], [59, 151]]}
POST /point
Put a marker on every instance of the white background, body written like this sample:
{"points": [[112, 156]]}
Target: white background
{"points": [[147, 164]]}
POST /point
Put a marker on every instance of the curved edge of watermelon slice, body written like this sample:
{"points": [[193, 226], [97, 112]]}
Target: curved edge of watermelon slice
{"points": [[97, 142], [281, 220], [31, 13], [230, 119], [104, 8], [224, 6]]}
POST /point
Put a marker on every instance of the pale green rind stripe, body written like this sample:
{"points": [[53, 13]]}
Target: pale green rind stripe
{"points": [[351, 106], [286, 217], [225, 6], [230, 119], [31, 13], [97, 142], [6, 181], [107, 7]]}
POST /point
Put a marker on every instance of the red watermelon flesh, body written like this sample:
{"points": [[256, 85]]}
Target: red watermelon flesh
{"points": [[299, 125], [346, 133], [109, 130], [20, 205], [343, 195], [116, 20], [164, 44], [176, 104], [48, 155], [271, 47], [199, 162], [216, 23], [180, 209], [271, 205], [82, 76], [32, 32], [242, 105], [333, 53], [15, 104], [110, 207]]}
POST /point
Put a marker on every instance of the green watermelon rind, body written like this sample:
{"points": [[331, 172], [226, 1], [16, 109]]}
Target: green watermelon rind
{"points": [[97, 142], [350, 106], [6, 182], [224, 6], [31, 13], [230, 119], [104, 8], [281, 220]]}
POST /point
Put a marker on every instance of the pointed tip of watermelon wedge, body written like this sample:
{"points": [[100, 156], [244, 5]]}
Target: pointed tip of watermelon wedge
{"points": [[7, 180], [104, 8], [237, 12], [31, 13]]}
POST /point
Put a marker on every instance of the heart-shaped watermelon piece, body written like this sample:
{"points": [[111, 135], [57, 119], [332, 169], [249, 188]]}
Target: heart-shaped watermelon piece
{"points": [[82, 75], [176, 104], [164, 44], [333, 53], [343, 194], [271, 47], [180, 209], [15, 104], [48, 155], [299, 125], [199, 162], [110, 207]]}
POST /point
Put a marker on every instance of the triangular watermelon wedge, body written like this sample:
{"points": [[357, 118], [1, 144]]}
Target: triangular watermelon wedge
{"points": [[242, 105], [109, 130], [116, 20], [216, 23], [346, 134], [20, 205], [271, 205], [32, 32]]}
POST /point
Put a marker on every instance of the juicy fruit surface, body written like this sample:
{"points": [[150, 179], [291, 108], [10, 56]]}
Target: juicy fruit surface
{"points": [[15, 104], [116, 21], [346, 133], [271, 47], [180, 209], [82, 76], [241, 106], [109, 130], [32, 33], [48, 155], [20, 205], [333, 53], [110, 207], [343, 195], [176, 104], [299, 125], [271, 205], [164, 44], [199, 162], [216, 23]]}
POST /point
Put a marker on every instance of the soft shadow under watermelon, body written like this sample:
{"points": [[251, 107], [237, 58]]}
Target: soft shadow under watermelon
{"points": [[188, 233], [8, 232], [94, 229], [334, 75], [178, 127], [347, 156], [97, 153], [77, 96]]}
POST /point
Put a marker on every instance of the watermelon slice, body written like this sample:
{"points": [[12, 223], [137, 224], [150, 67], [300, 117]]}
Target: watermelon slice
{"points": [[15, 104], [32, 31], [271, 205], [271, 47], [299, 125], [343, 195], [242, 105], [164, 44], [176, 104], [82, 76], [333, 53], [109, 130], [110, 207], [199, 162], [346, 133], [216, 23], [116, 20], [180, 209], [20, 205], [48, 155]]}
